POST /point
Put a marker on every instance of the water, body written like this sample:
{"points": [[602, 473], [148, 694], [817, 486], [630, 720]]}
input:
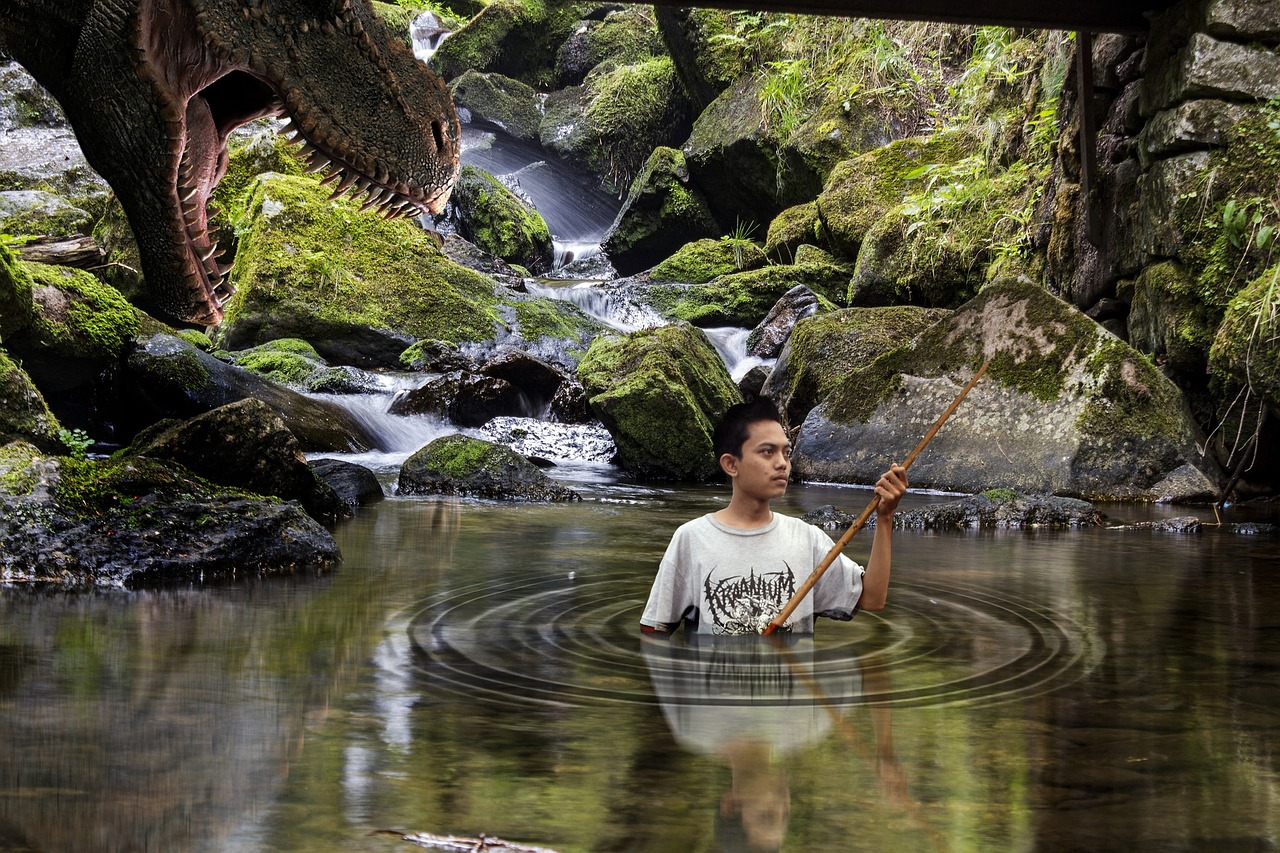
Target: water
{"points": [[474, 668]]}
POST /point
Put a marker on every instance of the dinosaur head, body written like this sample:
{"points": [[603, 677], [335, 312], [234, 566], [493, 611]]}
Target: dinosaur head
{"points": [[365, 111]]}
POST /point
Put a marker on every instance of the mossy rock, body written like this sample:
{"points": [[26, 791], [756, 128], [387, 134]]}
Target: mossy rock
{"points": [[41, 214], [663, 211], [733, 157], [825, 349], [1065, 409], [358, 287], [507, 103], [935, 253], [623, 37], [861, 190], [1244, 350], [744, 298], [631, 110], [16, 306], [24, 414], [1168, 321], [659, 392], [792, 228], [77, 316], [702, 260], [471, 467], [708, 54], [287, 361], [496, 220], [516, 38], [139, 522], [838, 128]]}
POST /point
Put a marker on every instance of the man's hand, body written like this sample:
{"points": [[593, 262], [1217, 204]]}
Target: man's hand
{"points": [[891, 486]]}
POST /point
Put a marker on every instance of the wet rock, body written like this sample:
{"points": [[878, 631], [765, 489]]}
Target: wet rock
{"points": [[354, 484], [166, 377], [1181, 524], [460, 465], [569, 403], [700, 261], [462, 251], [533, 376], [997, 508], [436, 357], [767, 339], [752, 382], [42, 214], [24, 414], [138, 522], [243, 445], [659, 392], [507, 103], [465, 399]]}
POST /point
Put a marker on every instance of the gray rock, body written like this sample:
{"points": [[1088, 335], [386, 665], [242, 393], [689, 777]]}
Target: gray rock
{"points": [[1160, 191], [1243, 20], [356, 485], [1188, 126], [42, 214], [471, 467], [1209, 68], [466, 399], [1066, 409], [507, 103], [767, 339], [998, 508], [663, 212]]}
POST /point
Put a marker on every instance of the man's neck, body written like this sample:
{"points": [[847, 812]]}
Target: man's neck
{"points": [[745, 514]]}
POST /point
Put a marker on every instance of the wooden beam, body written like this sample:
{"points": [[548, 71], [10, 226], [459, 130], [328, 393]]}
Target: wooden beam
{"points": [[1088, 137]]}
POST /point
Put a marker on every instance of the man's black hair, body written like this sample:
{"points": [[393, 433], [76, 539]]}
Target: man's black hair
{"points": [[736, 424]]}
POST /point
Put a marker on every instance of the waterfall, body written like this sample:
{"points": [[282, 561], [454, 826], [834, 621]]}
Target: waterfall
{"points": [[427, 32], [731, 343], [608, 306]]}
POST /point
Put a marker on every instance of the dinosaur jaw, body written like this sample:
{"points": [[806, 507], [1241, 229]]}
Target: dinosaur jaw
{"points": [[206, 89]]}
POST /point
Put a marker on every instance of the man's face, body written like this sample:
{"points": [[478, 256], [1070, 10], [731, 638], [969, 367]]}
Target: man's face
{"points": [[765, 465]]}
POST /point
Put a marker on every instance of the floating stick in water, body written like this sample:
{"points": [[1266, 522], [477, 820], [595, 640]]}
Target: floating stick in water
{"points": [[781, 618]]}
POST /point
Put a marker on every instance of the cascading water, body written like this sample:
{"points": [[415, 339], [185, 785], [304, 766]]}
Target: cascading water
{"points": [[731, 343], [427, 32]]}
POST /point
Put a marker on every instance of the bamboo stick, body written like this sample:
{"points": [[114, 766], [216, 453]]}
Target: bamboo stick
{"points": [[808, 585]]}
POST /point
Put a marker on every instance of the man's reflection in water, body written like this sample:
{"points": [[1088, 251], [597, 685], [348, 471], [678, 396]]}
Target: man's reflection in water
{"points": [[750, 702]]}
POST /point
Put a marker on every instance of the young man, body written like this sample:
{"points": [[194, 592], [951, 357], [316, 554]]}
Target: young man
{"points": [[732, 571]]}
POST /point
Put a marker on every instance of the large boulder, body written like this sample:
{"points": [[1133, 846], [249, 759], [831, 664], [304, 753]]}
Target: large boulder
{"points": [[1244, 349], [535, 378], [471, 467], [663, 211], [994, 508], [496, 220], [516, 38], [167, 377], [1066, 409], [620, 36], [769, 337], [358, 287], [140, 522], [243, 445], [702, 42], [822, 350], [659, 392], [745, 298], [354, 484], [700, 261]]}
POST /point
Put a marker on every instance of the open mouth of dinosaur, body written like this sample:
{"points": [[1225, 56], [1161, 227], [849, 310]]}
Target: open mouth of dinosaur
{"points": [[211, 114]]}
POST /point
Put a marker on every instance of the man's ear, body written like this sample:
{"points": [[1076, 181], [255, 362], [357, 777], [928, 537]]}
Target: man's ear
{"points": [[729, 464]]}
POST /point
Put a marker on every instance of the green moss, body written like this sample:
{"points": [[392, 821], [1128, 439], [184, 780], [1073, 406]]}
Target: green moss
{"points": [[282, 367], [626, 106], [317, 263], [538, 319], [1245, 344], [500, 223], [459, 456], [16, 475], [87, 319], [247, 158], [197, 339], [745, 298], [1000, 495], [1132, 400], [703, 260]]}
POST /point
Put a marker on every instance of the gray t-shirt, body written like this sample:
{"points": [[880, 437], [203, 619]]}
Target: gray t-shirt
{"points": [[735, 581]]}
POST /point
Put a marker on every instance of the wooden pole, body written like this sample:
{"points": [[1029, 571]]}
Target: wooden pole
{"points": [[805, 587]]}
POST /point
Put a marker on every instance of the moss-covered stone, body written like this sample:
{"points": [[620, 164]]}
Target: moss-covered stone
{"points": [[702, 260], [1167, 320], [631, 110], [461, 465], [16, 306], [661, 214], [1065, 408], [624, 37], [825, 349], [838, 128], [1245, 345], [792, 228], [707, 50], [24, 414], [41, 214], [659, 392], [744, 298], [493, 218], [321, 270], [508, 103], [77, 316], [861, 190], [516, 38]]}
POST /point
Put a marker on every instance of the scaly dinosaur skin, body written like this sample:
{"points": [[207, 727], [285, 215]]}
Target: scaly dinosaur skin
{"points": [[152, 88]]}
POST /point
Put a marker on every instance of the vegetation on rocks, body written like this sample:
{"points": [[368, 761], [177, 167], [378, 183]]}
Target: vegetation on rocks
{"points": [[472, 467], [496, 220], [702, 260]]}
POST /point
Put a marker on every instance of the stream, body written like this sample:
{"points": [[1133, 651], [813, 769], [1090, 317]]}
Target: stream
{"points": [[474, 668]]}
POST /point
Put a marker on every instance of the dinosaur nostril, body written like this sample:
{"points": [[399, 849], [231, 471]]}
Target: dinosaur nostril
{"points": [[437, 130]]}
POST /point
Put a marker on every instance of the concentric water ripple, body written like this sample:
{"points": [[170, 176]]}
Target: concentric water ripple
{"points": [[559, 642]]}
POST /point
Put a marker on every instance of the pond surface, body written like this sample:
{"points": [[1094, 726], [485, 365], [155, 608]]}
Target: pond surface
{"points": [[475, 668]]}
